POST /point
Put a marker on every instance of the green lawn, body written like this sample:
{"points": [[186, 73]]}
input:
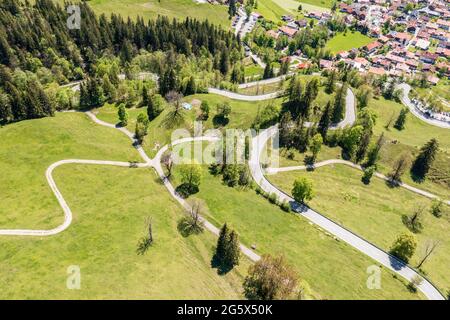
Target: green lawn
{"points": [[29, 147], [110, 207], [179, 9], [272, 9], [375, 212], [331, 268], [253, 71], [348, 41], [316, 3]]}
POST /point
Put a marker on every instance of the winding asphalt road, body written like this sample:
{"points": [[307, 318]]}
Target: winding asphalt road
{"points": [[257, 172], [406, 88], [350, 109], [330, 226], [243, 97]]}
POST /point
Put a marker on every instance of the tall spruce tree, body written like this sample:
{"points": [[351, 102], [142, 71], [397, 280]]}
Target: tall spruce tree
{"points": [[339, 104], [221, 248], [325, 121]]}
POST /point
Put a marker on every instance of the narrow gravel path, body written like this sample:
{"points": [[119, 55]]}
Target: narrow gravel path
{"points": [[356, 166], [257, 172], [155, 163], [62, 202]]}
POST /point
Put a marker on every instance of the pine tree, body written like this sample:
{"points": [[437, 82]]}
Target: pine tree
{"points": [[425, 159], [19, 109], [311, 92], [5, 51], [325, 121], [224, 62], [233, 251], [190, 87], [285, 130], [330, 84], [363, 145], [374, 151], [221, 247], [145, 97], [155, 106], [339, 104], [108, 89], [268, 71], [123, 115]]}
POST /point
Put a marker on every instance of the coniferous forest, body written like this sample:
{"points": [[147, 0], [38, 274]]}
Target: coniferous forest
{"points": [[38, 53]]}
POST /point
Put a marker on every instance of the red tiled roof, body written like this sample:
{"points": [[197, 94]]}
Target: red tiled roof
{"points": [[373, 45], [289, 31]]}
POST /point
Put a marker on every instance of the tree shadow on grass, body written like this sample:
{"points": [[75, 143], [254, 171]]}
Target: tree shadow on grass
{"points": [[185, 190], [220, 121], [416, 177], [186, 228], [143, 245], [392, 183], [222, 269]]}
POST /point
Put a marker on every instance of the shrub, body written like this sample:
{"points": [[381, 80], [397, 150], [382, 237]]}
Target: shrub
{"points": [[273, 198], [437, 208], [368, 173], [415, 282], [285, 206]]}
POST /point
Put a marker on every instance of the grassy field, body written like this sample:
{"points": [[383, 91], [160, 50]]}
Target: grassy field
{"points": [[375, 212], [242, 116], [253, 71], [103, 239], [441, 90], [179, 9], [348, 41], [273, 10], [29, 147], [317, 3], [316, 255], [414, 136]]}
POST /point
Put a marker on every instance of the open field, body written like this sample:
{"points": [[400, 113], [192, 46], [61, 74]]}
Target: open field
{"points": [[318, 3], [29, 147], [442, 89], [242, 116], [291, 6], [273, 10], [348, 41], [375, 212], [409, 140], [179, 9], [110, 206], [332, 269], [416, 132]]}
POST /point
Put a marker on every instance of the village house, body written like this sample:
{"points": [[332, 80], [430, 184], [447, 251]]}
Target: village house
{"points": [[288, 31]]}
